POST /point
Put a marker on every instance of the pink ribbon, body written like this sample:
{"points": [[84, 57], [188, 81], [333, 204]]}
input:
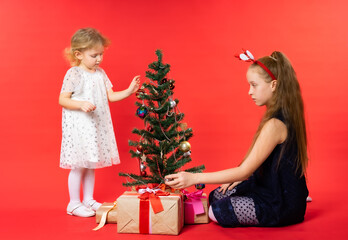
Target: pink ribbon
{"points": [[195, 199]]}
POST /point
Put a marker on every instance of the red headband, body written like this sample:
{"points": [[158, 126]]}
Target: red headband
{"points": [[246, 56]]}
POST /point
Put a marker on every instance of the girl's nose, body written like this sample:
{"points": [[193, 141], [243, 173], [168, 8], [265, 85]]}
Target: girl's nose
{"points": [[250, 91]]}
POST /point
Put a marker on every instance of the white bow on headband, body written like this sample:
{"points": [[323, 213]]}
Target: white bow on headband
{"points": [[246, 56]]}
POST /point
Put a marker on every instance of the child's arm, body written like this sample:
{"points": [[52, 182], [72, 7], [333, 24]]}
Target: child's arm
{"points": [[273, 132], [66, 102], [117, 96]]}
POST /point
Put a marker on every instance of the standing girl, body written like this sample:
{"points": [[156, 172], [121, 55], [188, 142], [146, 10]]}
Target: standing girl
{"points": [[268, 188], [88, 140]]}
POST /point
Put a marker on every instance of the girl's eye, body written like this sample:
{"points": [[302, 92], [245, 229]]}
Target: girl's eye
{"points": [[94, 56]]}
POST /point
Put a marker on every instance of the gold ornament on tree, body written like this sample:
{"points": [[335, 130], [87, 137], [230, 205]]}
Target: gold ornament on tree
{"points": [[185, 146]]}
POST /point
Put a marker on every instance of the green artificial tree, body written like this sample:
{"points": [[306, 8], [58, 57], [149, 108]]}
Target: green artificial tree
{"points": [[163, 145]]}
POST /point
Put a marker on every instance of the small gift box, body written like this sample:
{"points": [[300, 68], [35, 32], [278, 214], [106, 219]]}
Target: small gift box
{"points": [[150, 211], [106, 213], [108, 209], [196, 207]]}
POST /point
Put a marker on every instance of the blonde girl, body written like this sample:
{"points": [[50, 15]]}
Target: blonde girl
{"points": [[269, 187], [88, 140]]}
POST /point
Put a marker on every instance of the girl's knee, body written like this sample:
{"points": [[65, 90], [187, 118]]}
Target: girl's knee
{"points": [[212, 195]]}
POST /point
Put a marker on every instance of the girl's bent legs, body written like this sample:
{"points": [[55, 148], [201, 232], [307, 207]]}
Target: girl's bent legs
{"points": [[88, 189], [217, 195], [230, 210]]}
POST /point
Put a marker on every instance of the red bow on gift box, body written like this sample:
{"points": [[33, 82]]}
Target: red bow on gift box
{"points": [[153, 196], [147, 195]]}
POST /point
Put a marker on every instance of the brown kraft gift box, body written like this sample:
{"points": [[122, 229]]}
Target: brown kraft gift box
{"points": [[191, 217], [137, 216], [111, 215]]}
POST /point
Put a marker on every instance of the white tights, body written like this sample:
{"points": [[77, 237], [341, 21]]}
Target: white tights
{"points": [[76, 177]]}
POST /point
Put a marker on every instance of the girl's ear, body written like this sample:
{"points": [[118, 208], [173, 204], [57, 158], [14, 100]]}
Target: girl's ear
{"points": [[273, 85], [78, 55]]}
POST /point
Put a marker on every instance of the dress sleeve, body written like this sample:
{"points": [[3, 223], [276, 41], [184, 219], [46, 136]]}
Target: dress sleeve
{"points": [[107, 81], [71, 80]]}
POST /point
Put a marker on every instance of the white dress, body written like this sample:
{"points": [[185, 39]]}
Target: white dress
{"points": [[88, 139]]}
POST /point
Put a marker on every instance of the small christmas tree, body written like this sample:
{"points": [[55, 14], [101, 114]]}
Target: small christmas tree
{"points": [[163, 146]]}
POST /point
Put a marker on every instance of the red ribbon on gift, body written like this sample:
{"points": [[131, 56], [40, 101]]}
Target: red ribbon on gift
{"points": [[144, 214], [149, 195], [154, 199]]}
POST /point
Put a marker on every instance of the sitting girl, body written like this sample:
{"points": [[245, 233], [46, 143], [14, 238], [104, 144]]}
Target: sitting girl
{"points": [[269, 187]]}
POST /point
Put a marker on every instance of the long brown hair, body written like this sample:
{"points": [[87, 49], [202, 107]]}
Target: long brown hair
{"points": [[287, 100]]}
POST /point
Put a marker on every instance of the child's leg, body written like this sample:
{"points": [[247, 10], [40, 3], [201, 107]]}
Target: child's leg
{"points": [[217, 194], [211, 215], [75, 207], [88, 189], [234, 211], [244, 208], [74, 183]]}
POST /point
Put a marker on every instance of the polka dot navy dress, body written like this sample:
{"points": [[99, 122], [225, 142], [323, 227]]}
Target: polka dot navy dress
{"points": [[88, 139], [275, 195]]}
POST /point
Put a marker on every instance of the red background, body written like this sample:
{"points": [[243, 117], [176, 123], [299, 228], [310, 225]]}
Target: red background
{"points": [[199, 40]]}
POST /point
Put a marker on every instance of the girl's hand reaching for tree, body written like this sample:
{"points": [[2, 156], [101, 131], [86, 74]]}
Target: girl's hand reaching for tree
{"points": [[180, 180], [134, 85]]}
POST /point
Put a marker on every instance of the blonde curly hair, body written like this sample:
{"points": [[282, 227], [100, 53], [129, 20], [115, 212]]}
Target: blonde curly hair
{"points": [[83, 39]]}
